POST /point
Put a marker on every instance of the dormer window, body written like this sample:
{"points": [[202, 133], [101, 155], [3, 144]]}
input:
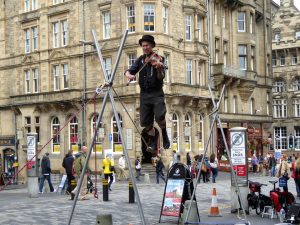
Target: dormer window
{"points": [[277, 37]]}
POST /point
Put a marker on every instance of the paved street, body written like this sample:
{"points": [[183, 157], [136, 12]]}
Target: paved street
{"points": [[17, 208]]}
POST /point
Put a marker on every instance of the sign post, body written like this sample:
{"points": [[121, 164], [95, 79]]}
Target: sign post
{"points": [[32, 167], [239, 160]]}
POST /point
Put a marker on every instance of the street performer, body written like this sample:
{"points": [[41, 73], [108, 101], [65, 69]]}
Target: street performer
{"points": [[151, 69]]}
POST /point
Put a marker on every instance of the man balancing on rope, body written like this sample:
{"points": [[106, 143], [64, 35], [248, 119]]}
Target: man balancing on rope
{"points": [[151, 69]]}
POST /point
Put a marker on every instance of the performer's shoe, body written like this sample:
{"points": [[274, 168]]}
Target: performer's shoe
{"points": [[166, 142]]}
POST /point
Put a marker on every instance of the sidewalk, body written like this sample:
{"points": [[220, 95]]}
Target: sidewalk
{"points": [[17, 208]]}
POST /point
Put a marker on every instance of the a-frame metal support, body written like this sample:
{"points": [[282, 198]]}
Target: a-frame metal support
{"points": [[108, 94]]}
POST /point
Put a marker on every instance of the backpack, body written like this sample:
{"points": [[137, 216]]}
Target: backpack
{"points": [[77, 163]]}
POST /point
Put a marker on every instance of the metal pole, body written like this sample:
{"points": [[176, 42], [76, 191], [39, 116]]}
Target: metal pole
{"points": [[127, 159], [204, 153]]}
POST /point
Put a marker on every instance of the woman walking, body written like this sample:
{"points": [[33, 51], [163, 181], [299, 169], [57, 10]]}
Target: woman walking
{"points": [[214, 166], [284, 171]]}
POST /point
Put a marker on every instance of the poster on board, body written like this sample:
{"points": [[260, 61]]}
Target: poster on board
{"points": [[173, 197]]}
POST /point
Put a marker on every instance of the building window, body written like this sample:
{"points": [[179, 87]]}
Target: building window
{"points": [[165, 19], [280, 108], [55, 128], [274, 61], [28, 124], [175, 123], [31, 39], [252, 62], [189, 71], [277, 37], [188, 28], [217, 50], [58, 1], [115, 131], [223, 17], [56, 77], [296, 85], [279, 86], [131, 18], [251, 23], [242, 57], [201, 133], [225, 53], [106, 25], [297, 34], [27, 40], [35, 80], [251, 106], [296, 103], [27, 5], [167, 63], [149, 17], [280, 135], [107, 66], [99, 135], [55, 34], [131, 59], [64, 38], [297, 138], [27, 81], [199, 27], [282, 60], [34, 38], [65, 73], [73, 134], [216, 13], [234, 106], [187, 132], [225, 104], [241, 21], [294, 59], [201, 73]]}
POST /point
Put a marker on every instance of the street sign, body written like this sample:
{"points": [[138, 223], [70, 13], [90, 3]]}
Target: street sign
{"points": [[238, 151]]}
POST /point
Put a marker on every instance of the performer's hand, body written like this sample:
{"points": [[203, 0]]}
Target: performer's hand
{"points": [[129, 76], [159, 65]]}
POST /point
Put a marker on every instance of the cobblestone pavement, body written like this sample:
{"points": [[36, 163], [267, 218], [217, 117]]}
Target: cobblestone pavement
{"points": [[17, 208]]}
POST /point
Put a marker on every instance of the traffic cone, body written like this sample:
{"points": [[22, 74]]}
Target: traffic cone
{"points": [[214, 209]]}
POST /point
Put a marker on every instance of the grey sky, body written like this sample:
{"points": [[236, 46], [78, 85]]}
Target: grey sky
{"points": [[296, 3]]}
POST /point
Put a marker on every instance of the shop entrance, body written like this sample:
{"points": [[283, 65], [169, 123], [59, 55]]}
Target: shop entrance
{"points": [[8, 163]]}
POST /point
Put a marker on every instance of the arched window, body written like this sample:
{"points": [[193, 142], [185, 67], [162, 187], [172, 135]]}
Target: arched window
{"points": [[55, 127], [296, 85], [187, 132], [175, 137], [99, 135], [279, 86], [200, 134], [73, 134], [116, 137]]}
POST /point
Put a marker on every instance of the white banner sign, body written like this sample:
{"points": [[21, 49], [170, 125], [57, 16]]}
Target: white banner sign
{"points": [[129, 139], [31, 147], [238, 148]]}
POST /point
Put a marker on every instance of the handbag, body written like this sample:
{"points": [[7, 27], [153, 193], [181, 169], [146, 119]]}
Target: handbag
{"points": [[203, 168]]}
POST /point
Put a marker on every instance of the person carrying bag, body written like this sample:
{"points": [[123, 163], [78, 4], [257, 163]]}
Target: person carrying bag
{"points": [[284, 173]]}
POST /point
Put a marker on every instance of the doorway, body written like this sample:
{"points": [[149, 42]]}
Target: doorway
{"points": [[8, 163]]}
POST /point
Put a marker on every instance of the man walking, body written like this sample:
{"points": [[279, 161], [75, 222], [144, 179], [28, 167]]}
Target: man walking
{"points": [[79, 162], [68, 163], [138, 168], [122, 166], [46, 171], [159, 170]]}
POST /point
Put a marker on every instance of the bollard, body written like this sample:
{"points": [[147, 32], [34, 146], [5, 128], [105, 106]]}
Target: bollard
{"points": [[105, 219], [131, 192], [105, 190]]}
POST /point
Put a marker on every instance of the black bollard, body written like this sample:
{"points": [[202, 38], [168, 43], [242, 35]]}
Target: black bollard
{"points": [[131, 192], [105, 190]]}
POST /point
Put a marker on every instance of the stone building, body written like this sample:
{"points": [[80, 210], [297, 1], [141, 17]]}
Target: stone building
{"points": [[49, 69], [241, 60], [286, 74]]}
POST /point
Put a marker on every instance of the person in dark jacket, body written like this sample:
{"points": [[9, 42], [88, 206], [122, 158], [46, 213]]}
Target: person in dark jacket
{"points": [[159, 170], [69, 167], [272, 165], [46, 172], [151, 70], [188, 160]]}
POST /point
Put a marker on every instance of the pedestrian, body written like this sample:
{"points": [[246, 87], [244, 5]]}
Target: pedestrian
{"points": [[254, 163], [214, 166], [108, 170], [188, 161], [175, 157], [208, 169], [260, 162], [122, 166], [284, 171], [138, 168], [151, 70], [68, 164], [272, 164], [46, 173], [159, 170], [296, 175], [79, 162]]}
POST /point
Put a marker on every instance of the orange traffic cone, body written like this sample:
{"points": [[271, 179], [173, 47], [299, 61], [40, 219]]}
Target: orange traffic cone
{"points": [[214, 209]]}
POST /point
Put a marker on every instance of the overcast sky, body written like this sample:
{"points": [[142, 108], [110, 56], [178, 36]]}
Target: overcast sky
{"points": [[296, 3]]}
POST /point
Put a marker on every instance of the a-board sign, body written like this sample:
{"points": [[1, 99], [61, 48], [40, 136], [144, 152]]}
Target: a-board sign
{"points": [[173, 197], [178, 171]]}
